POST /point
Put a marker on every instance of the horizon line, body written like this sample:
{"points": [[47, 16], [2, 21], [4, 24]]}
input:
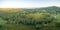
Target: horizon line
{"points": [[27, 7]]}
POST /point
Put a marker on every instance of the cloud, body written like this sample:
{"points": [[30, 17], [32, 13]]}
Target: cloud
{"points": [[25, 4], [12, 4]]}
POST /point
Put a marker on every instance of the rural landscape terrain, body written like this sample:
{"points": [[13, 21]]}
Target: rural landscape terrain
{"points": [[44, 18]]}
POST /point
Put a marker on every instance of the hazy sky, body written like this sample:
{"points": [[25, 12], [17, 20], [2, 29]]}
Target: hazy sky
{"points": [[28, 3]]}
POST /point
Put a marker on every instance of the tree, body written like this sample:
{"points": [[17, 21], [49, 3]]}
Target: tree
{"points": [[40, 19]]}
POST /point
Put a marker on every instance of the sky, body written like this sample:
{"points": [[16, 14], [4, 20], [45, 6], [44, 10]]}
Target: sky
{"points": [[28, 3]]}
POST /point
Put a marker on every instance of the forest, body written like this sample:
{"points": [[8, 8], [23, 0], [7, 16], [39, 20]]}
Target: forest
{"points": [[46, 18]]}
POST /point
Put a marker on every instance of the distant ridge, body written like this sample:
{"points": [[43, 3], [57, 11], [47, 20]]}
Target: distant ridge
{"points": [[44, 8]]}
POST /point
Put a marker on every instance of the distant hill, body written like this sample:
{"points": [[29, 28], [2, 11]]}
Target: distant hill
{"points": [[47, 8], [50, 8], [44, 8], [54, 8]]}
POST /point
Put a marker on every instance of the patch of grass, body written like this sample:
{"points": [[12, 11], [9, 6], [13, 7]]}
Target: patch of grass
{"points": [[18, 27], [58, 18], [2, 22]]}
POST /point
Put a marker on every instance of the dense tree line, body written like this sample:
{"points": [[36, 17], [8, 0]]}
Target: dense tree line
{"points": [[36, 18]]}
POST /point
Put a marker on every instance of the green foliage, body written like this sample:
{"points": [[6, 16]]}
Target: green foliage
{"points": [[2, 22], [29, 19]]}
